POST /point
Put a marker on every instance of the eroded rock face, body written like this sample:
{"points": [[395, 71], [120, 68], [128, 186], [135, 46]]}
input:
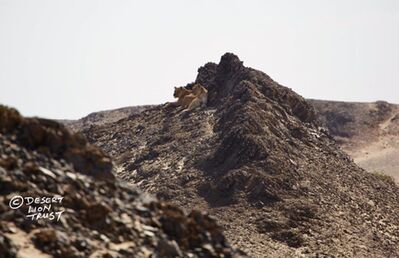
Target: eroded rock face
{"points": [[101, 217], [258, 160], [54, 140]]}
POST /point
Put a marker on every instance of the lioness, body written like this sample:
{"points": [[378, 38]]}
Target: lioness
{"points": [[201, 93], [190, 99], [184, 96]]}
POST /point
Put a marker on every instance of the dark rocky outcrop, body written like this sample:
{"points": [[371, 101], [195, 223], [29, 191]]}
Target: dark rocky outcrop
{"points": [[50, 138]]}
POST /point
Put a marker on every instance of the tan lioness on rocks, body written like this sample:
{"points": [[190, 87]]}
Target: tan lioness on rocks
{"points": [[184, 96], [180, 93], [201, 93], [191, 99]]}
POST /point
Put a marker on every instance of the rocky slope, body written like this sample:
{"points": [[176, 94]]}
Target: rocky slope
{"points": [[85, 212], [257, 158], [368, 132]]}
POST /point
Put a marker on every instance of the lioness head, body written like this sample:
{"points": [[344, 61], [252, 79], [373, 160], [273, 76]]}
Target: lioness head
{"points": [[180, 92], [177, 91]]}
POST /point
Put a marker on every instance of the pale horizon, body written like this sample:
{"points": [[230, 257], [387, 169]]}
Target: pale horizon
{"points": [[66, 59]]}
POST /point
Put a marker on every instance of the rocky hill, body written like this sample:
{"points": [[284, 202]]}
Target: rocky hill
{"points": [[59, 198], [368, 132], [258, 159]]}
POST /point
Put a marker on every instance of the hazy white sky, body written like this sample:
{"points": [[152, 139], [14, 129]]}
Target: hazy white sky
{"points": [[65, 59]]}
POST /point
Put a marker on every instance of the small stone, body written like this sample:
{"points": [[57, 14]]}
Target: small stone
{"points": [[71, 175], [104, 238], [47, 172]]}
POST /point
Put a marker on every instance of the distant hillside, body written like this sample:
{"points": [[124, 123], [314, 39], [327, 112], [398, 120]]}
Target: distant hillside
{"points": [[368, 132], [103, 117]]}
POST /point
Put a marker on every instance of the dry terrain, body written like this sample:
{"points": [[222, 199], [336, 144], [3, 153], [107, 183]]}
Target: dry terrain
{"points": [[259, 160]]}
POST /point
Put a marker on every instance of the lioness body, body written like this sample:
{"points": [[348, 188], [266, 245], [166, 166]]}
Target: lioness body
{"points": [[201, 93], [191, 99], [180, 93]]}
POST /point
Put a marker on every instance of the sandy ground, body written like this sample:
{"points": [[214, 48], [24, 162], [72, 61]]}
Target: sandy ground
{"points": [[26, 248]]}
